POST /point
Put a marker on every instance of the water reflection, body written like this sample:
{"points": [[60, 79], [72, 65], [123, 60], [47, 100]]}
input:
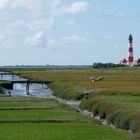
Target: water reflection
{"points": [[11, 78], [37, 90]]}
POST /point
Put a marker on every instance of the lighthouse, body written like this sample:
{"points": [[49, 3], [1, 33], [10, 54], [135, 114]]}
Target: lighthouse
{"points": [[130, 50]]}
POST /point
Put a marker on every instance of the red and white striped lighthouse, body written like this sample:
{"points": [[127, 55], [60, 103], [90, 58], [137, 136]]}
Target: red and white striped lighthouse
{"points": [[130, 50]]}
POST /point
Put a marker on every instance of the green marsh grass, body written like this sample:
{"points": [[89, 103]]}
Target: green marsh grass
{"points": [[115, 98], [57, 131], [57, 127]]}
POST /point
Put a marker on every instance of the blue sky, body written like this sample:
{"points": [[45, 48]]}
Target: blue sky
{"points": [[67, 32]]}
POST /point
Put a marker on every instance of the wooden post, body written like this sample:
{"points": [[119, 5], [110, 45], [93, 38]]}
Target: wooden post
{"points": [[9, 93], [27, 87], [13, 76]]}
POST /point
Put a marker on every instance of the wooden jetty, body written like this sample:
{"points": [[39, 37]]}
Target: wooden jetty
{"points": [[6, 73], [9, 85], [31, 82], [28, 82]]}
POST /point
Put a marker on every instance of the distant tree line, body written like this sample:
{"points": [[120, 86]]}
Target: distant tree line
{"points": [[106, 65]]}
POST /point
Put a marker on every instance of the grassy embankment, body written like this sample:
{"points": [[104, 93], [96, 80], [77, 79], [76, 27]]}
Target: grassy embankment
{"points": [[40, 119], [116, 98]]}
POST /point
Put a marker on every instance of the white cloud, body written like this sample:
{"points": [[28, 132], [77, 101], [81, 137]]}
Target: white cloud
{"points": [[4, 4], [56, 3], [21, 24], [76, 7], [29, 9], [77, 39], [43, 24], [26, 4], [7, 41], [29, 4], [54, 7], [37, 40], [34, 25], [72, 40]]}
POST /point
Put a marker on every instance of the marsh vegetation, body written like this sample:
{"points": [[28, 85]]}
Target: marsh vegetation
{"points": [[35, 119], [115, 98]]}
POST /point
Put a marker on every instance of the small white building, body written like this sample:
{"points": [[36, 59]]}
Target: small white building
{"points": [[123, 62], [137, 62]]}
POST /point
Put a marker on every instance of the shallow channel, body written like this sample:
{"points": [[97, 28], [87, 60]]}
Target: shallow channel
{"points": [[35, 90]]}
